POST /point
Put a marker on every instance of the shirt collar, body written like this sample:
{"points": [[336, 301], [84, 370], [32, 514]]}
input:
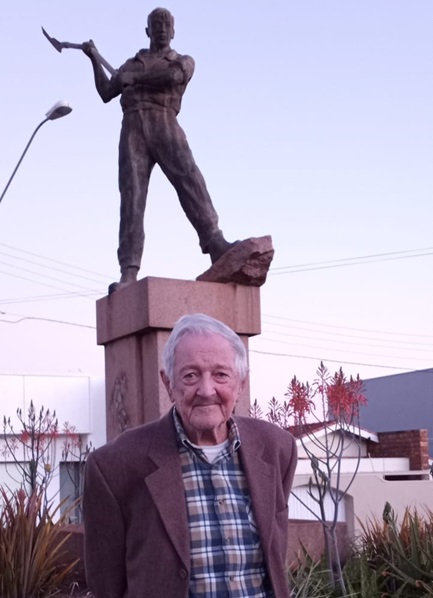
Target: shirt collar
{"points": [[233, 434]]}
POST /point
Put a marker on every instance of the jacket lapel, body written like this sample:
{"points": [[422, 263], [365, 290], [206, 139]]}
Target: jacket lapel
{"points": [[261, 478], [166, 487]]}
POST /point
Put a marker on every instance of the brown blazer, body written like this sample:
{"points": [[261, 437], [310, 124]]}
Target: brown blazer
{"points": [[136, 526]]}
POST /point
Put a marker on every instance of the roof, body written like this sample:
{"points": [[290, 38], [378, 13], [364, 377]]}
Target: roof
{"points": [[319, 429]]}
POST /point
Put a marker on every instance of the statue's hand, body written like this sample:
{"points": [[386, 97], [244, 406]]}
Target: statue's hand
{"points": [[89, 47]]}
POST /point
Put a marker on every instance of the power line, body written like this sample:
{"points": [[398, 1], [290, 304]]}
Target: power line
{"points": [[356, 342], [52, 320], [398, 340], [84, 290], [392, 333], [51, 286], [352, 261], [47, 276], [66, 295], [342, 350], [327, 336], [339, 361], [48, 267], [56, 261]]}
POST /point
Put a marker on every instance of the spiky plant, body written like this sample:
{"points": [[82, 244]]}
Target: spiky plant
{"points": [[31, 546], [400, 555]]}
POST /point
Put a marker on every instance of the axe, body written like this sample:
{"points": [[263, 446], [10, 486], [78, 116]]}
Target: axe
{"points": [[60, 45]]}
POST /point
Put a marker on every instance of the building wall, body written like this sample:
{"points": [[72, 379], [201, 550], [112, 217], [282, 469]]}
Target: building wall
{"points": [[408, 443], [400, 402], [77, 401], [370, 495], [370, 491]]}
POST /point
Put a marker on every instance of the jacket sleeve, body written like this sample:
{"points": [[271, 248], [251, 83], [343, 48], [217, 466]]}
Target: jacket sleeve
{"points": [[104, 539], [290, 472]]}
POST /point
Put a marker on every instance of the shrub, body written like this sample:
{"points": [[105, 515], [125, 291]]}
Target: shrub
{"points": [[390, 559], [394, 559], [309, 579], [363, 580], [30, 546]]}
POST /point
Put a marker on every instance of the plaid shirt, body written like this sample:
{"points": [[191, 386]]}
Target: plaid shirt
{"points": [[226, 555]]}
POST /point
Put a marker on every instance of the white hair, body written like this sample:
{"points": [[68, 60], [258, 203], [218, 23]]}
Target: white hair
{"points": [[203, 324]]}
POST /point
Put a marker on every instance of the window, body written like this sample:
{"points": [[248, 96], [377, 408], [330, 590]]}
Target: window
{"points": [[71, 488]]}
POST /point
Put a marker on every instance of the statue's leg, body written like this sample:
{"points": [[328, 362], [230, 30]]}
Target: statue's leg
{"points": [[135, 167], [177, 162]]}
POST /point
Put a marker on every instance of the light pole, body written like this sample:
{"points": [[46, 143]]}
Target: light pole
{"points": [[59, 109]]}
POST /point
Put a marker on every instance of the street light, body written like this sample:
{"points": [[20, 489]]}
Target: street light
{"points": [[59, 110]]}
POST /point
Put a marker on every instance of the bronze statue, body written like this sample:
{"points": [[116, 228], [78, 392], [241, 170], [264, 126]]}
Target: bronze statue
{"points": [[151, 86]]}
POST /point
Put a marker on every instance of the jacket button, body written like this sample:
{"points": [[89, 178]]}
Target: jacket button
{"points": [[183, 574]]}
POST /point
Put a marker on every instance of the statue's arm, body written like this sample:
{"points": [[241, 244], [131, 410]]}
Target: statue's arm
{"points": [[108, 88], [175, 72]]}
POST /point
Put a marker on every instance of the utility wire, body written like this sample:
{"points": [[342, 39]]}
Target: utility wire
{"points": [[343, 350], [70, 293], [343, 335], [52, 320], [47, 276], [346, 327], [356, 342], [56, 261], [46, 266], [65, 295], [340, 361], [352, 261]]}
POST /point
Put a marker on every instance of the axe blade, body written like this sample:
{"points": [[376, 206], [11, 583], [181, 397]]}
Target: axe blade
{"points": [[54, 42], [60, 45]]}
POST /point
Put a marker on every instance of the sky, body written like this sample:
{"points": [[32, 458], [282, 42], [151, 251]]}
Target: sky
{"points": [[311, 121]]}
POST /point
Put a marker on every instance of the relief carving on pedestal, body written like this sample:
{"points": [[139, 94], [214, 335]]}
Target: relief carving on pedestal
{"points": [[119, 414]]}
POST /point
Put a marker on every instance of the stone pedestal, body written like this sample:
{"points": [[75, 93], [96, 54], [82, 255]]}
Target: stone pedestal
{"points": [[134, 323]]}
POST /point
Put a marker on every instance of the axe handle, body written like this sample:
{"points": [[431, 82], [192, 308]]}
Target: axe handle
{"points": [[72, 46], [102, 61], [97, 55], [105, 64], [60, 45]]}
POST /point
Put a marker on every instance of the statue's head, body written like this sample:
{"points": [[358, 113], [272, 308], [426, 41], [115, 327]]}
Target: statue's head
{"points": [[160, 28]]}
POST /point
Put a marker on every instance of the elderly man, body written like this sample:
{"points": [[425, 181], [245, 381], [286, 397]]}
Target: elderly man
{"points": [[195, 504], [151, 86]]}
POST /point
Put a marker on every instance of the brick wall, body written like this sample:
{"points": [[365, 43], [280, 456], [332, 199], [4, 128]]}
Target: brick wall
{"points": [[308, 535], [408, 443]]}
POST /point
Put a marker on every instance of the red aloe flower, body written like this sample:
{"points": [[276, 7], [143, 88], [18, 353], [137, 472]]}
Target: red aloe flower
{"points": [[24, 437], [300, 402], [345, 397]]}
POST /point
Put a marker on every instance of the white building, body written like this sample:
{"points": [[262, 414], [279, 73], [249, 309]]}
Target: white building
{"points": [[79, 405], [393, 467]]}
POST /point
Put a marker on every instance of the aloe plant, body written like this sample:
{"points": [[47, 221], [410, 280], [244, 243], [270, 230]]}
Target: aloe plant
{"points": [[363, 580], [399, 556], [390, 559], [31, 547], [309, 579]]}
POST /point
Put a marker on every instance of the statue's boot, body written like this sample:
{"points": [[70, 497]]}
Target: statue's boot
{"points": [[128, 276], [218, 246]]}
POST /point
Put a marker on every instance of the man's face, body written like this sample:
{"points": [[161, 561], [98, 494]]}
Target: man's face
{"points": [[205, 386], [160, 31]]}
